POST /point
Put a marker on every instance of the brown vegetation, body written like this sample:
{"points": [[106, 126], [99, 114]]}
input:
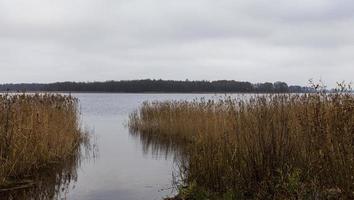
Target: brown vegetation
{"points": [[36, 131], [266, 147]]}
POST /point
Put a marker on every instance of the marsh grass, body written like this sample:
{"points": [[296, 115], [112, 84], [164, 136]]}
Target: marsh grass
{"points": [[278, 146], [37, 132]]}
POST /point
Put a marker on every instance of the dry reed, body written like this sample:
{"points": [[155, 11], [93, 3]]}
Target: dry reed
{"points": [[265, 147], [36, 131]]}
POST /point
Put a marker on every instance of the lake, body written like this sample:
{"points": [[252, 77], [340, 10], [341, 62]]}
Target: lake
{"points": [[124, 168]]}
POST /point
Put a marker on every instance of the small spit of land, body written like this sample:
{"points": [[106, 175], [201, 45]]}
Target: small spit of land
{"points": [[265, 147], [40, 137]]}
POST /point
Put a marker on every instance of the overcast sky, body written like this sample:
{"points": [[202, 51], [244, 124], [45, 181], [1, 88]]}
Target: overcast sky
{"points": [[250, 40]]}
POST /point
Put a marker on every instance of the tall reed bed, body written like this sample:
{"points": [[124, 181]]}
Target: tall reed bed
{"points": [[265, 147], [36, 131]]}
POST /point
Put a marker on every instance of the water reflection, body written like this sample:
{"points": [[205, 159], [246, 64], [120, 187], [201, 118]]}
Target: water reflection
{"points": [[54, 181], [158, 146]]}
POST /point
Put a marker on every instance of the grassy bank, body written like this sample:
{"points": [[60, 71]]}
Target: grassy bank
{"points": [[266, 147], [36, 132]]}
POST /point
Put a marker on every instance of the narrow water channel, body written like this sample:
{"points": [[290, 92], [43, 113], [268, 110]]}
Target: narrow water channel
{"points": [[124, 169]]}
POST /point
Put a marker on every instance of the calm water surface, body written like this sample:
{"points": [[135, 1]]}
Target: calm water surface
{"points": [[123, 169]]}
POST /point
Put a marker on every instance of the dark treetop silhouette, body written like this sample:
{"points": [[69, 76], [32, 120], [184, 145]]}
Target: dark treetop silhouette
{"points": [[160, 86]]}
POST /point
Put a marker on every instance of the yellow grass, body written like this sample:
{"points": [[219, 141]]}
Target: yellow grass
{"points": [[267, 147], [36, 131]]}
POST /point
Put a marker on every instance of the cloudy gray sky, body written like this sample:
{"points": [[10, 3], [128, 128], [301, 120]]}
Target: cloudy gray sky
{"points": [[253, 40]]}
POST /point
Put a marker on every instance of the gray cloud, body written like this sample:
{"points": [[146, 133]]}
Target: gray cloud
{"points": [[256, 40]]}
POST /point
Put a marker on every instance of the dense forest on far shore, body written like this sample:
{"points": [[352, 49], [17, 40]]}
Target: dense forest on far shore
{"points": [[159, 86]]}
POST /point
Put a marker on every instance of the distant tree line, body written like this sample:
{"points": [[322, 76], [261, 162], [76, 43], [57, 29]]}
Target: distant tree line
{"points": [[166, 86]]}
